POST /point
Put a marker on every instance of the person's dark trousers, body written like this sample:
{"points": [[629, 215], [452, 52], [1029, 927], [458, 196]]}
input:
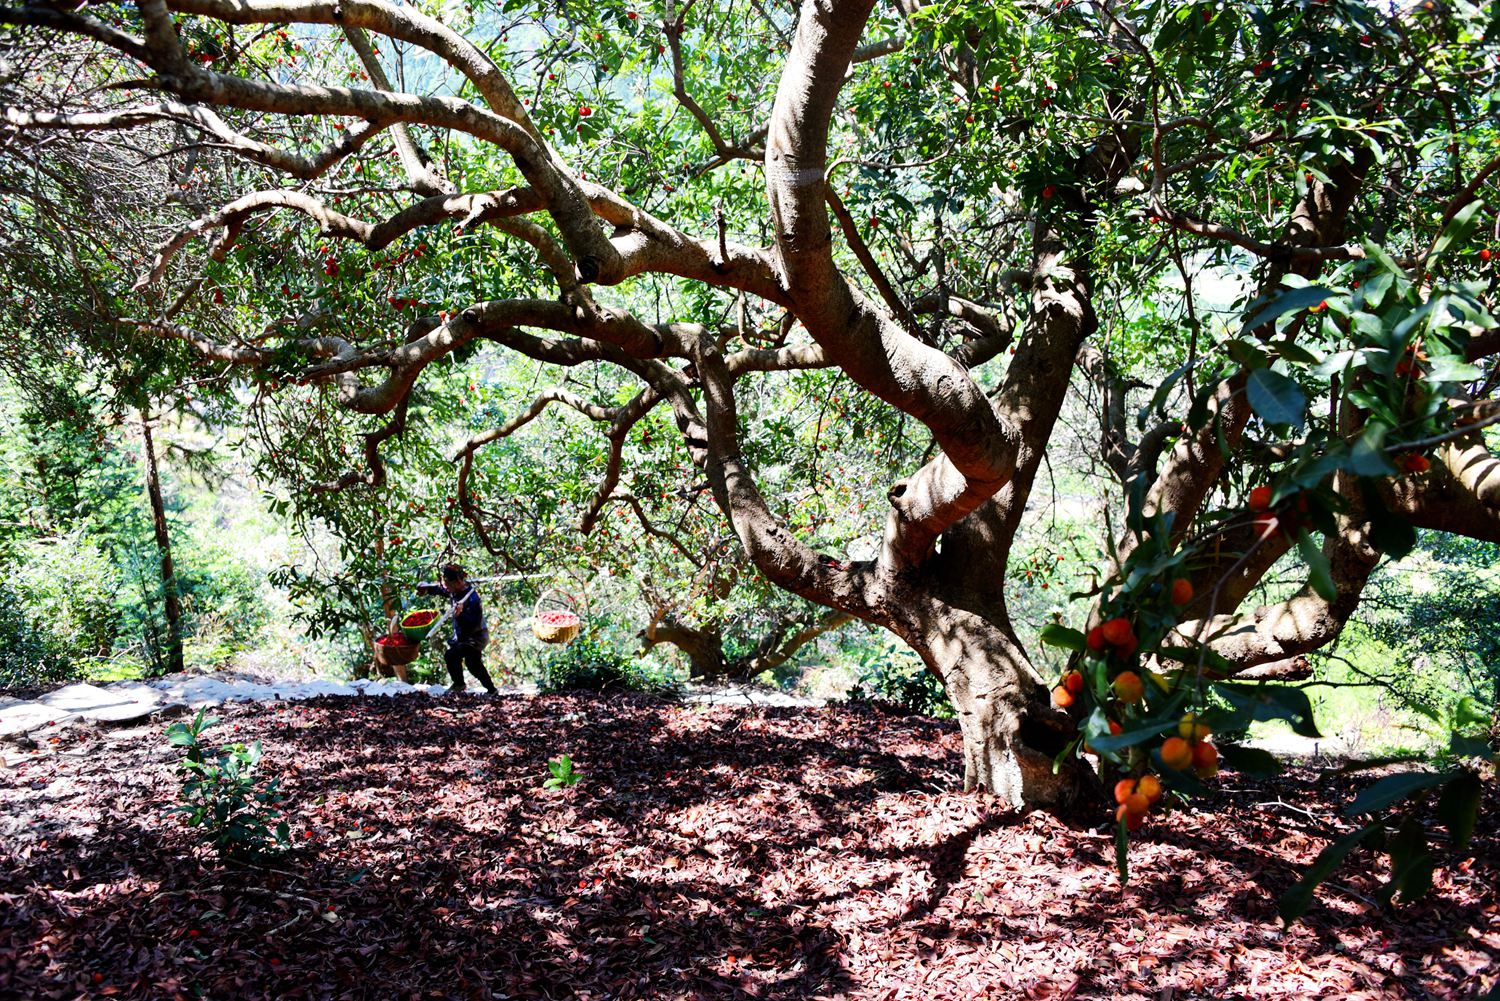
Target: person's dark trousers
{"points": [[459, 657]]}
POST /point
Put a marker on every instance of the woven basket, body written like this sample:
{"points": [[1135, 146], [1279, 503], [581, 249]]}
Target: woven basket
{"points": [[569, 625], [393, 655]]}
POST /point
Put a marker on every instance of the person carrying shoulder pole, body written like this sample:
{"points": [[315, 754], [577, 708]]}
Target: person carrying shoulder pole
{"points": [[470, 634]]}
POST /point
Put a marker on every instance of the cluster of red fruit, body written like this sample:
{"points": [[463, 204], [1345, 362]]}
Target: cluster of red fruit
{"points": [[557, 618], [1190, 749], [1268, 522], [397, 640], [418, 619]]}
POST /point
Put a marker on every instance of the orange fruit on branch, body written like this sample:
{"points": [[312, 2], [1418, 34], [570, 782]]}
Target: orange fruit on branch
{"points": [[1260, 499], [1189, 728], [1176, 753], [1182, 591], [1128, 688], [1206, 760]]}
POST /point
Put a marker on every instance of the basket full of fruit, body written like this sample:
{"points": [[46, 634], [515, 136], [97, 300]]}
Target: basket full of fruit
{"points": [[416, 625], [555, 618], [395, 650]]}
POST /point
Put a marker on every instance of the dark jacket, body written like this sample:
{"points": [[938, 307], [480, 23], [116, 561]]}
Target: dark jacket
{"points": [[468, 615]]}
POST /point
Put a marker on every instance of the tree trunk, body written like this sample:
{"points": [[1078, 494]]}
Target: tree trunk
{"points": [[704, 648], [1011, 734], [171, 603]]}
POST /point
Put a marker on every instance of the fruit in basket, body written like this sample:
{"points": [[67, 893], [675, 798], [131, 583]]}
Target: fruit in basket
{"points": [[556, 617], [393, 641], [417, 620]]}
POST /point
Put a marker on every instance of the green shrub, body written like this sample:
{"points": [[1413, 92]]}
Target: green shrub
{"points": [[67, 586], [587, 664], [223, 602], [28, 657], [57, 611], [894, 674], [236, 811]]}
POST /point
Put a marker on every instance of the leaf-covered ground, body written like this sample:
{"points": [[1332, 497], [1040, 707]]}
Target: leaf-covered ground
{"points": [[708, 853]]}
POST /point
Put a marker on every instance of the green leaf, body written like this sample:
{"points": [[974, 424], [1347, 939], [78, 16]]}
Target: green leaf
{"points": [[1268, 701], [1296, 353], [1458, 806], [1411, 863], [1296, 900], [1448, 368], [1391, 533], [1459, 228], [1287, 301], [1367, 457], [1320, 574], [1122, 851], [1129, 738], [1192, 655], [1469, 712], [1391, 789], [1160, 396], [1058, 635], [1253, 761], [1461, 746], [1276, 398]]}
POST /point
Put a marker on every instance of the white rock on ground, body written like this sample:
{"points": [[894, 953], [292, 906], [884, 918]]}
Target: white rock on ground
{"points": [[18, 718], [117, 705], [737, 696]]}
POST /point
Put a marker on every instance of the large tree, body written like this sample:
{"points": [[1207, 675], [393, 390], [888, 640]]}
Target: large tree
{"points": [[964, 210]]}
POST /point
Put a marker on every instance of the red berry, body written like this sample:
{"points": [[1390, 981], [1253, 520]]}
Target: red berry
{"points": [[1117, 632]]}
